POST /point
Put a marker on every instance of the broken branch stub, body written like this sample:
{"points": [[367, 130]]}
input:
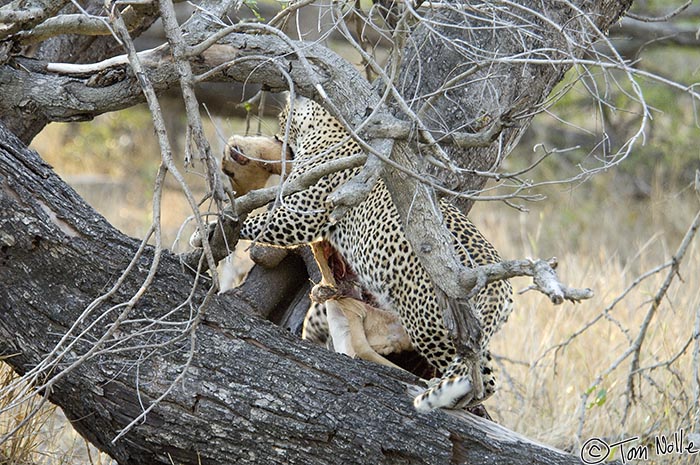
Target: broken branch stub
{"points": [[544, 276]]}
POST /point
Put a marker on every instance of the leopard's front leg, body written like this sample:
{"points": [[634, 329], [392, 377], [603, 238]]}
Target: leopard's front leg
{"points": [[288, 225]]}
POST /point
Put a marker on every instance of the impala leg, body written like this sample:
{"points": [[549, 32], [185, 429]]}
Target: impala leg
{"points": [[355, 312], [349, 336]]}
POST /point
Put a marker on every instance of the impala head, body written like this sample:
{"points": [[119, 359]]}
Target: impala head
{"points": [[249, 161]]}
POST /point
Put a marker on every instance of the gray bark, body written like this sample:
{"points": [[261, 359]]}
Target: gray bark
{"points": [[253, 393]]}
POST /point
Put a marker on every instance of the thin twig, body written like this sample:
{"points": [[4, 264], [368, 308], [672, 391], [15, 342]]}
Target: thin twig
{"points": [[178, 46], [636, 347], [660, 19]]}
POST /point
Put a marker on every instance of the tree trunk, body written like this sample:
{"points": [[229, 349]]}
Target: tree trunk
{"points": [[252, 393]]}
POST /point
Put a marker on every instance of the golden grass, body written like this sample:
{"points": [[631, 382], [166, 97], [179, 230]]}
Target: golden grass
{"points": [[603, 240], [24, 443], [42, 438], [542, 388]]}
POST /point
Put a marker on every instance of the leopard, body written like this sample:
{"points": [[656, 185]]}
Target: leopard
{"points": [[371, 239]]}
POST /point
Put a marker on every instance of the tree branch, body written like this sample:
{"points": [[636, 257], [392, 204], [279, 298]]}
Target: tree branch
{"points": [[70, 92], [632, 36], [393, 128], [636, 347], [225, 235], [666, 17], [19, 15], [543, 274], [75, 24]]}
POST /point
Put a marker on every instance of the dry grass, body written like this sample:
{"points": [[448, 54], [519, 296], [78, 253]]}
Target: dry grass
{"points": [[603, 240], [542, 388], [42, 438], [24, 444]]}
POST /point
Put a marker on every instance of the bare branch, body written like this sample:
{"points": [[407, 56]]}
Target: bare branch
{"points": [[606, 312], [17, 15], [636, 35], [636, 347], [92, 89], [227, 228], [659, 19], [177, 43], [159, 123], [543, 274], [393, 128], [75, 24], [357, 189]]}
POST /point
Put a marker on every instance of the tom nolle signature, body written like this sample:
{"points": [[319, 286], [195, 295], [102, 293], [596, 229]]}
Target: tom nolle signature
{"points": [[596, 450]]}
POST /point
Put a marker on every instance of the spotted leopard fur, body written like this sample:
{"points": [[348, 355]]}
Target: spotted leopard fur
{"points": [[371, 239]]}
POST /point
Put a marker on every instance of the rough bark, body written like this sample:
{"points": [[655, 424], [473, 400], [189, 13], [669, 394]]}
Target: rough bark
{"points": [[253, 393], [78, 96]]}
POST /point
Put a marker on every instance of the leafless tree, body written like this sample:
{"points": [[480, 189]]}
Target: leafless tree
{"points": [[146, 359]]}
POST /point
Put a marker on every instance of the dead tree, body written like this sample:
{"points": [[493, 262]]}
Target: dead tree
{"points": [[148, 362]]}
